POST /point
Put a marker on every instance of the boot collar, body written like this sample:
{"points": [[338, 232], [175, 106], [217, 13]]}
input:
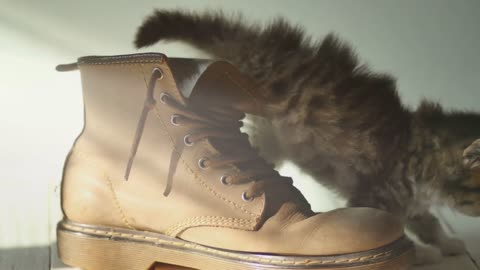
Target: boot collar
{"points": [[202, 80]]}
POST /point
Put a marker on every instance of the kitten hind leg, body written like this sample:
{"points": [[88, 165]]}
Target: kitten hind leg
{"points": [[426, 255], [429, 230]]}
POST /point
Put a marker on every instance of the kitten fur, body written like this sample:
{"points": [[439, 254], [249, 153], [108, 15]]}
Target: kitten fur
{"points": [[341, 122]]}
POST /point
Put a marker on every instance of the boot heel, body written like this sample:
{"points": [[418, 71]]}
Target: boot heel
{"points": [[91, 253]]}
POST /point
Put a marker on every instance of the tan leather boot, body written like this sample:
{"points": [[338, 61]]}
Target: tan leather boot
{"points": [[162, 173]]}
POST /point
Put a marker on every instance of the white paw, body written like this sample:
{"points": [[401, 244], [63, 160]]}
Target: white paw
{"points": [[427, 255], [452, 246]]}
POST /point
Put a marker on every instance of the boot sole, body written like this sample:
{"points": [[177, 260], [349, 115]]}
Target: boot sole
{"points": [[104, 248]]}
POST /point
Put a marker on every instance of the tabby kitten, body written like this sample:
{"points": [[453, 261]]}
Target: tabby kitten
{"points": [[342, 123]]}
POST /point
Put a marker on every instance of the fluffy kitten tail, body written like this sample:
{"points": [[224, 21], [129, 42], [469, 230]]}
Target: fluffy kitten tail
{"points": [[226, 37], [208, 31]]}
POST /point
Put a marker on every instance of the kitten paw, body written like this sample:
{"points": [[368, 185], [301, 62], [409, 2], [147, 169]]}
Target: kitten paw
{"points": [[452, 246], [425, 255]]}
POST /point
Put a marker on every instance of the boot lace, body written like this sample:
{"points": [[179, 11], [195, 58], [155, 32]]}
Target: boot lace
{"points": [[220, 126]]}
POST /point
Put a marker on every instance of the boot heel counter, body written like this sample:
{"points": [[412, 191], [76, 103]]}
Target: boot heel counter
{"points": [[87, 193]]}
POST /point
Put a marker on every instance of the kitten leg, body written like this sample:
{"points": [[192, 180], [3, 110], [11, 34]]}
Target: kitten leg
{"points": [[262, 136], [426, 255], [429, 230]]}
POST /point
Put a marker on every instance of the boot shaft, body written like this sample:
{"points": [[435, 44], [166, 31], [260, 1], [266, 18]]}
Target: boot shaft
{"points": [[128, 133]]}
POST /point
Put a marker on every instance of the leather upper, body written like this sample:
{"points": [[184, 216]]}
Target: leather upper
{"points": [[199, 207]]}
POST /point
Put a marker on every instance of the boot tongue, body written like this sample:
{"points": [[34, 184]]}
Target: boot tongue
{"points": [[206, 83]]}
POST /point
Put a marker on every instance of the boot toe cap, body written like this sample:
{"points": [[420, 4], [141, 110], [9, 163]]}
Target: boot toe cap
{"points": [[338, 232], [350, 230]]}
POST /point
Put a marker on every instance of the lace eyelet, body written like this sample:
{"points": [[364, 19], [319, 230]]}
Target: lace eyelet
{"points": [[246, 198], [159, 70], [186, 140], [173, 119], [201, 164], [223, 180], [163, 97]]}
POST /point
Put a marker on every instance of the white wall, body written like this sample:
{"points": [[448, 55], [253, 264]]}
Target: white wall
{"points": [[431, 46]]}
